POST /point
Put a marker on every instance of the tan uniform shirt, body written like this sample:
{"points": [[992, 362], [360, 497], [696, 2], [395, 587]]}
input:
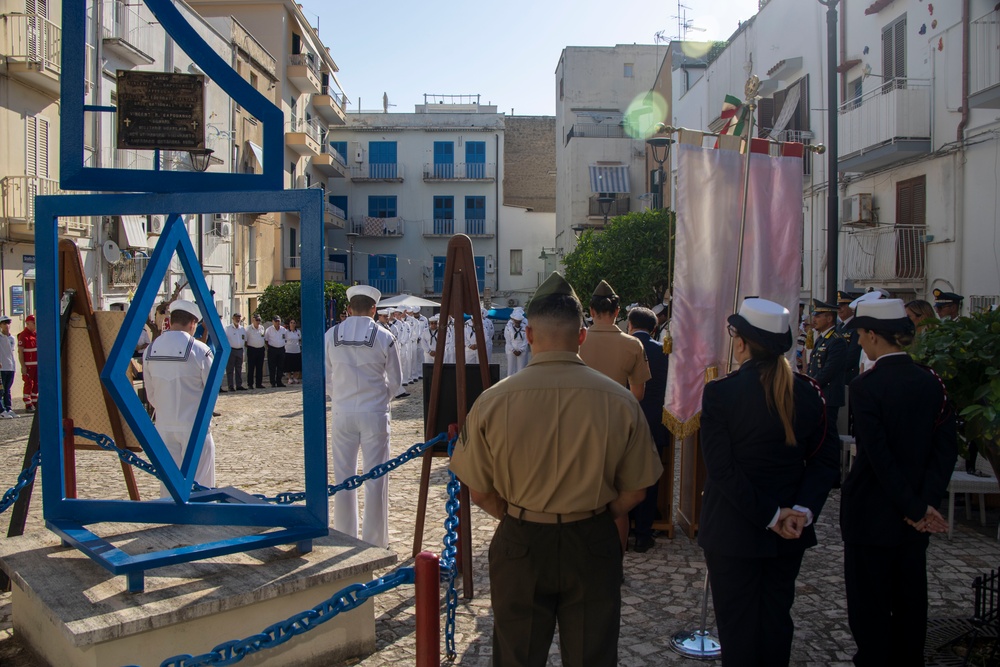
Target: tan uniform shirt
{"points": [[556, 437], [619, 356]]}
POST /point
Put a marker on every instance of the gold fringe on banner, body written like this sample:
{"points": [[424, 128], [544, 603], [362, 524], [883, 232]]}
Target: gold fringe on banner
{"points": [[679, 429]]}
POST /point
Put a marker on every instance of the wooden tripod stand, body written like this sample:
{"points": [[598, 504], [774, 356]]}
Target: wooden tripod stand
{"points": [[460, 295]]}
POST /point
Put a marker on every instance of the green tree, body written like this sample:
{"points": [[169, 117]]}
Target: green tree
{"points": [[631, 253], [966, 354], [285, 300]]}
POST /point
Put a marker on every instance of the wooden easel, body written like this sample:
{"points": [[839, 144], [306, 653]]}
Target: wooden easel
{"points": [[460, 295]]}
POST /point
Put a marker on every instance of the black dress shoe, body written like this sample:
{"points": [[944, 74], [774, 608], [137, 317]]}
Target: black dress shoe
{"points": [[241, 389], [260, 386], [281, 384], [223, 391], [643, 544]]}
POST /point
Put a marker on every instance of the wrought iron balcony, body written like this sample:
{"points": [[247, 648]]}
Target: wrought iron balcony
{"points": [[18, 207], [128, 35], [886, 254], [887, 125], [620, 206], [449, 227], [127, 272], [463, 171], [372, 171], [303, 72], [596, 131], [984, 61], [32, 46], [369, 227]]}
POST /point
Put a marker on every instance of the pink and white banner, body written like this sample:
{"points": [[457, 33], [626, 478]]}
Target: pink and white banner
{"points": [[709, 199]]}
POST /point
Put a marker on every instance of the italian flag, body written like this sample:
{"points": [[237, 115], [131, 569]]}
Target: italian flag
{"points": [[734, 113]]}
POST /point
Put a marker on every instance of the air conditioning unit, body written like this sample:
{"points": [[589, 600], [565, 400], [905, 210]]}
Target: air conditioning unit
{"points": [[220, 217], [223, 229], [511, 302], [856, 209], [155, 225]]}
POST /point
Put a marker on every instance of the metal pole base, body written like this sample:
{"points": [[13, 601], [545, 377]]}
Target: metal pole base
{"points": [[697, 644]]}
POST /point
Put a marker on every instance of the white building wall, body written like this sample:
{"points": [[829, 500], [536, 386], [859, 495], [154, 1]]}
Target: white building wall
{"points": [[529, 232]]}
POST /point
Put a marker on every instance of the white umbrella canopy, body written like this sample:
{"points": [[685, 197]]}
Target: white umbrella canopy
{"points": [[408, 300]]}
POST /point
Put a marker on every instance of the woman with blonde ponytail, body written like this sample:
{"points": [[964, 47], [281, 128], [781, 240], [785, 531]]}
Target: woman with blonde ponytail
{"points": [[772, 459]]}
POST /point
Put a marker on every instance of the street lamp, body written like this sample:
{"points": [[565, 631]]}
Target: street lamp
{"points": [[604, 202], [200, 158], [351, 236], [832, 203], [660, 147]]}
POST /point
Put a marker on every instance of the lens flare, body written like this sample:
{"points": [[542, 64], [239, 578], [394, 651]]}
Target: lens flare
{"points": [[644, 113]]}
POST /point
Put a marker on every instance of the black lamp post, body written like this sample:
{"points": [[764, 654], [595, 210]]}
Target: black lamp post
{"points": [[200, 159], [350, 265], [832, 203], [660, 147], [604, 201]]}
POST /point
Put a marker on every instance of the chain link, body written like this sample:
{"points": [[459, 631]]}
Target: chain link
{"points": [[104, 442], [449, 556], [346, 599], [26, 477]]}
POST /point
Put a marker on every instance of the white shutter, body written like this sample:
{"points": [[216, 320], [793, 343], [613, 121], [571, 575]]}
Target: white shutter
{"points": [[42, 152], [31, 147]]}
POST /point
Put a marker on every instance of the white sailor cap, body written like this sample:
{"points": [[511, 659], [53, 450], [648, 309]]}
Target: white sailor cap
{"points": [[764, 322], [658, 308], [364, 290], [186, 306], [433, 318], [517, 313], [881, 315], [415, 310], [385, 311], [867, 296]]}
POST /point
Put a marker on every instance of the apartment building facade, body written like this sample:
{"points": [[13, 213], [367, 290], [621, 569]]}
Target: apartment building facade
{"points": [[918, 89], [595, 152]]}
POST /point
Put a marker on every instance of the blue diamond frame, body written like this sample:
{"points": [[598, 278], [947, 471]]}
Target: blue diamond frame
{"points": [[173, 239], [73, 175], [68, 516]]}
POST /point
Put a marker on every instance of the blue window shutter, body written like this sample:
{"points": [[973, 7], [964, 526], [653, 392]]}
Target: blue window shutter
{"points": [[439, 263], [444, 159], [480, 272], [444, 215], [475, 215], [475, 159], [382, 159]]}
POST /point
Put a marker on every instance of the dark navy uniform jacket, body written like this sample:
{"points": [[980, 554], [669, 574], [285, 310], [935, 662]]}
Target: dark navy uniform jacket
{"points": [[853, 360], [905, 433], [828, 364], [656, 386], [752, 472]]}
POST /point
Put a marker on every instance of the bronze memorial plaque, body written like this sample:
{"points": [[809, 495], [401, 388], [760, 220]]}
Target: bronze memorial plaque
{"points": [[161, 110]]}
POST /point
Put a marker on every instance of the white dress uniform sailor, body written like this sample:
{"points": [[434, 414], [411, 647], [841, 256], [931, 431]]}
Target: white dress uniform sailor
{"points": [[449, 342], [429, 339], [423, 330], [488, 331], [363, 373], [175, 372], [516, 340], [412, 372]]}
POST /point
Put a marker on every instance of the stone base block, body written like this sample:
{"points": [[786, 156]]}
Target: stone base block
{"points": [[74, 613]]}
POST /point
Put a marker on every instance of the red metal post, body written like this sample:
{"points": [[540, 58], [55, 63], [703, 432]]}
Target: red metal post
{"points": [[428, 592]]}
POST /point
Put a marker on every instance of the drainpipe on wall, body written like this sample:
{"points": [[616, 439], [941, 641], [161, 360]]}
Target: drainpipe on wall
{"points": [[496, 208], [965, 74], [960, 156]]}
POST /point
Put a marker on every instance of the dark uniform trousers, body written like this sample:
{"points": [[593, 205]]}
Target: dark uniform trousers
{"points": [[255, 366], [275, 363], [745, 591], [887, 603], [544, 573], [234, 366]]}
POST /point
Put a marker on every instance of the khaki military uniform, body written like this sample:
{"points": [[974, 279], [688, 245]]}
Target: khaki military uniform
{"points": [[616, 354], [557, 554]]}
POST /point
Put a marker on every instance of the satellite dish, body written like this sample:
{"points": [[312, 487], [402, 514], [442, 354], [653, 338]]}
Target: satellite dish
{"points": [[112, 253]]}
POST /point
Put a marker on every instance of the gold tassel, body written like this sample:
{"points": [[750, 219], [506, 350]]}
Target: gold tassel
{"points": [[680, 429], [711, 373], [809, 339], [668, 343]]}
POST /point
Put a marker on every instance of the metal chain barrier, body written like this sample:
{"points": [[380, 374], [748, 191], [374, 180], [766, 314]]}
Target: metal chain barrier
{"points": [[26, 477], [104, 442], [449, 566], [231, 652]]}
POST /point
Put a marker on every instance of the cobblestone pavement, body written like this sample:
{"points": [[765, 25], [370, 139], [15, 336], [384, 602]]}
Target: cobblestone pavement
{"points": [[258, 438]]}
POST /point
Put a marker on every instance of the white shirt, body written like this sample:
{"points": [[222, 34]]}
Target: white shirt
{"points": [[175, 370], [236, 335], [428, 339], [275, 337], [293, 341], [516, 337], [363, 371], [255, 335], [144, 340], [8, 356]]}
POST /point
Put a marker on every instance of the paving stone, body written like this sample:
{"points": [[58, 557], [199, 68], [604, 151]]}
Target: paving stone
{"points": [[259, 449]]}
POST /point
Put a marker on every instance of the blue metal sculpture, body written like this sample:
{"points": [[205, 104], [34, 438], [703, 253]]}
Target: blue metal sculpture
{"points": [[185, 193]]}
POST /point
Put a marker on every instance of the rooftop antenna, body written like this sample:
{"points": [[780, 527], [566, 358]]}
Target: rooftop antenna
{"points": [[684, 24], [385, 103]]}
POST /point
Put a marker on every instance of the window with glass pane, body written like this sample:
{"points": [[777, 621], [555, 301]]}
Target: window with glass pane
{"points": [[444, 215]]}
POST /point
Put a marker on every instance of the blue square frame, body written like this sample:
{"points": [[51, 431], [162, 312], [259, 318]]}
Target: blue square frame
{"points": [[73, 175], [67, 516]]}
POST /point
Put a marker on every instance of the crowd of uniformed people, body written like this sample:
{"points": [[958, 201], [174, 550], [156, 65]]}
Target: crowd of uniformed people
{"points": [[567, 487]]}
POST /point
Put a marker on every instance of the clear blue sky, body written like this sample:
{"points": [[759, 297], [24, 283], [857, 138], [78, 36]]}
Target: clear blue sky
{"points": [[505, 51]]}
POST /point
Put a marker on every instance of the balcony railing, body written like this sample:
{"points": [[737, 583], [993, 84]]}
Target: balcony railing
{"points": [[311, 128], [892, 122], [34, 40], [335, 267], [596, 131], [984, 54], [121, 23], [306, 59], [449, 227], [127, 271], [390, 171], [370, 227], [120, 158], [386, 285], [620, 206], [463, 171], [886, 253], [18, 198]]}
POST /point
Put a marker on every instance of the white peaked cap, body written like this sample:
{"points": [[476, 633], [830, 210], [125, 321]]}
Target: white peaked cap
{"points": [[186, 306], [364, 290]]}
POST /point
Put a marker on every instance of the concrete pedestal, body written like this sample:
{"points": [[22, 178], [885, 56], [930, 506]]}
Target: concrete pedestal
{"points": [[74, 613]]}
